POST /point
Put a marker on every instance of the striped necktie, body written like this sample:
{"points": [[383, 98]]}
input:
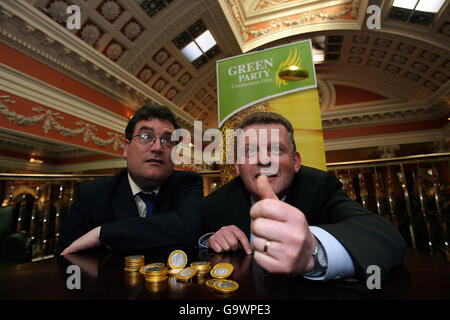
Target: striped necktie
{"points": [[149, 199]]}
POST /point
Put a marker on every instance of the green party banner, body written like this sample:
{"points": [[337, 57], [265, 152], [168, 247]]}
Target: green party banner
{"points": [[251, 78]]}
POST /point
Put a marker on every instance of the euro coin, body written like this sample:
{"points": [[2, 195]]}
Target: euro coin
{"points": [[186, 274], [210, 283], [134, 258], [226, 286], [174, 271], [222, 270], [177, 259]]}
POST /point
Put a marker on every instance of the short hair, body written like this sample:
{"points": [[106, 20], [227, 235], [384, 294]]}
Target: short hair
{"points": [[149, 111], [268, 118]]}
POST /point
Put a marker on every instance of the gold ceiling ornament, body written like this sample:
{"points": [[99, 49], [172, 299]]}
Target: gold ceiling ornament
{"points": [[50, 120]]}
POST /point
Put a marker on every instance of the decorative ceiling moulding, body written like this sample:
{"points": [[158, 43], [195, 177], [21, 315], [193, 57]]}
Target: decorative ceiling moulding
{"points": [[302, 17], [384, 114], [387, 139], [8, 164], [29, 118], [20, 84], [39, 21]]}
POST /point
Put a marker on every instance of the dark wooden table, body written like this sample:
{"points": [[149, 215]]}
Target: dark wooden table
{"points": [[102, 277]]}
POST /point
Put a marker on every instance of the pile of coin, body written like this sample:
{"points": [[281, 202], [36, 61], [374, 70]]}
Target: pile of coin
{"points": [[201, 266], [134, 263], [156, 274], [221, 271]]}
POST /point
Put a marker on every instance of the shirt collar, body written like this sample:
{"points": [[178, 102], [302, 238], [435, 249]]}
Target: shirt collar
{"points": [[135, 189]]}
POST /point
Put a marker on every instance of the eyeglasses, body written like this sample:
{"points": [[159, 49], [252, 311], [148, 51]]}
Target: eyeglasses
{"points": [[148, 139]]}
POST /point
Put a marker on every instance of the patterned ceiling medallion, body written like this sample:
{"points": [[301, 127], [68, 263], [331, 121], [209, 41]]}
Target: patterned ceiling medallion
{"points": [[399, 59], [161, 56], [429, 56], [132, 29], [174, 69], [360, 40], [110, 10], [184, 79], [374, 63], [357, 50], [200, 94], [57, 10], [145, 74], [439, 76], [385, 43], [171, 93], [406, 48], [378, 54], [90, 33], [420, 67], [153, 7], [114, 50], [160, 84]]}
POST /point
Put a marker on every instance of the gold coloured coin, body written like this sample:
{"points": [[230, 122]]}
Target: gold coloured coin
{"points": [[210, 283], [177, 259], [226, 286], [155, 278], [174, 271], [186, 274], [222, 270], [201, 266], [151, 267]]}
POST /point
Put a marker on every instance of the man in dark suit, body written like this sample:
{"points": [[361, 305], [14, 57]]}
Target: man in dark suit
{"points": [[296, 218], [149, 205]]}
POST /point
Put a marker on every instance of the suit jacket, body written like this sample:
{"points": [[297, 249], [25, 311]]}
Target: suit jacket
{"points": [[367, 237], [109, 203]]}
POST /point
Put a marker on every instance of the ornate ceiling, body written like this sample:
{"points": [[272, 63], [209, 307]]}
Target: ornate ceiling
{"points": [[129, 51]]}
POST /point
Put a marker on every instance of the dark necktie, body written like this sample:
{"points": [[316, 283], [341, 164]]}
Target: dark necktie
{"points": [[149, 199]]}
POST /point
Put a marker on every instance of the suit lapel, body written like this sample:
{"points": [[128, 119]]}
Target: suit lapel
{"points": [[123, 203]]}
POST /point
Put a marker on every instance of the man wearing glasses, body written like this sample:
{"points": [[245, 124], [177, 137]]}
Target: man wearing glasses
{"points": [[149, 205]]}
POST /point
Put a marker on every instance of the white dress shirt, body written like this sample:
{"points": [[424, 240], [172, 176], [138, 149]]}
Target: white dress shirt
{"points": [[135, 189]]}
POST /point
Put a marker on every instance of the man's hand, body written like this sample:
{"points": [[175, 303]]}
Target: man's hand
{"points": [[228, 238], [87, 241], [291, 241]]}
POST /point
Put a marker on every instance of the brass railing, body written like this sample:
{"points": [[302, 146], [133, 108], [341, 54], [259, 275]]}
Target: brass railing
{"points": [[411, 192]]}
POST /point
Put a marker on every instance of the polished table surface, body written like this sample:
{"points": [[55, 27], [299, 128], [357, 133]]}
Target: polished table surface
{"points": [[102, 277]]}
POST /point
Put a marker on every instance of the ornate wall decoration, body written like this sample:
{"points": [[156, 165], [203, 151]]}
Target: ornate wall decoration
{"points": [[50, 120], [251, 31]]}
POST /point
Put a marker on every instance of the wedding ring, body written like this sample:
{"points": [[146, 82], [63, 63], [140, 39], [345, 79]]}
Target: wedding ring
{"points": [[266, 247]]}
